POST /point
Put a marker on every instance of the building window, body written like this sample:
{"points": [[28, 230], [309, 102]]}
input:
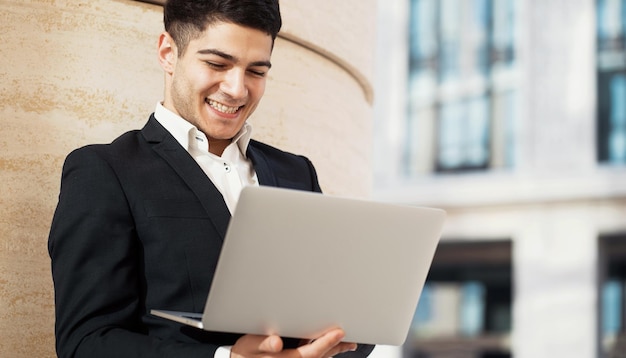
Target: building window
{"points": [[611, 134], [612, 293], [465, 306], [462, 88]]}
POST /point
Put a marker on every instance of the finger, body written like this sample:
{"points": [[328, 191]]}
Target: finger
{"points": [[251, 345], [271, 344], [326, 345]]}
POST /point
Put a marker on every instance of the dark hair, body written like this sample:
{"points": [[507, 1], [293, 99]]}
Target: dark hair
{"points": [[185, 20]]}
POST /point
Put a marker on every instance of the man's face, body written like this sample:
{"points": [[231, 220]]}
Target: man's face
{"points": [[220, 79]]}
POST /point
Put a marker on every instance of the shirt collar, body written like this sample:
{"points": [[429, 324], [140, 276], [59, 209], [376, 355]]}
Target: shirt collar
{"points": [[182, 130]]}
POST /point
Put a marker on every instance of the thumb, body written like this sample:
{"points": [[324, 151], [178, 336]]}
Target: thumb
{"points": [[271, 344]]}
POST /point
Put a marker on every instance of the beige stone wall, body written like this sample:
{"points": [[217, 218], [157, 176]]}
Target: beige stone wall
{"points": [[84, 71]]}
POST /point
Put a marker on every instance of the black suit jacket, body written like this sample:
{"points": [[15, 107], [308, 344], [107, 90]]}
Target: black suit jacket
{"points": [[140, 226]]}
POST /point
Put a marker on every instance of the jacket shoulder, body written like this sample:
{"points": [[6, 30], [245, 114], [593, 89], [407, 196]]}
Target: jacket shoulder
{"points": [[289, 169], [276, 157]]}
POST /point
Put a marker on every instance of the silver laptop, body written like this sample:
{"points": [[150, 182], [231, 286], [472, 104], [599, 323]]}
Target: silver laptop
{"points": [[297, 263]]}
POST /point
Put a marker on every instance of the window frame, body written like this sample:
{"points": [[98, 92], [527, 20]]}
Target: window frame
{"points": [[611, 62], [427, 100], [457, 262]]}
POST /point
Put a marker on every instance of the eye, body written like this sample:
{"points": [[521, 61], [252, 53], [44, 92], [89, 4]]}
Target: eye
{"points": [[215, 65], [257, 73]]}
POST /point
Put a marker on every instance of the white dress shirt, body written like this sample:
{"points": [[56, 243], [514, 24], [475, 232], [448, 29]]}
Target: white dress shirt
{"points": [[230, 172]]}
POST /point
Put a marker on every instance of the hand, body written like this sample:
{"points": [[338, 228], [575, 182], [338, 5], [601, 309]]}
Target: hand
{"points": [[328, 345]]}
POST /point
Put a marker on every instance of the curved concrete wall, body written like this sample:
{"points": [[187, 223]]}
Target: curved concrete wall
{"points": [[78, 72]]}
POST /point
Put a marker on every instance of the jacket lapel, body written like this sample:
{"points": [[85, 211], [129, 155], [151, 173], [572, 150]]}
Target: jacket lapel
{"points": [[261, 166], [166, 146]]}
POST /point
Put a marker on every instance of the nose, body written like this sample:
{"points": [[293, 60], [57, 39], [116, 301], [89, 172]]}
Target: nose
{"points": [[234, 84]]}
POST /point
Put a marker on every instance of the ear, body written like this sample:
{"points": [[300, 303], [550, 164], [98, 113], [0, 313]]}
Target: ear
{"points": [[167, 52]]}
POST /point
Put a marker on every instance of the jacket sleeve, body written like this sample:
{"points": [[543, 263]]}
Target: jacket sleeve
{"points": [[96, 268]]}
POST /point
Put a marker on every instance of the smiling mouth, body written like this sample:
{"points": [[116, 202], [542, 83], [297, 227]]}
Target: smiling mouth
{"points": [[222, 107]]}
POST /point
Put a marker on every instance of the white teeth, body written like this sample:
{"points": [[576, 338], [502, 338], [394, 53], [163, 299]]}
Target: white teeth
{"points": [[222, 108]]}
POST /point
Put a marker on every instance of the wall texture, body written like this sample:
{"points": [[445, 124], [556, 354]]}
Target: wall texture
{"points": [[84, 71]]}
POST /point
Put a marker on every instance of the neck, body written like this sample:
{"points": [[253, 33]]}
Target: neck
{"points": [[217, 146]]}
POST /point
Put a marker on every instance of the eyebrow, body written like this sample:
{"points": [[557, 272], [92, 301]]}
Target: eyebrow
{"points": [[232, 58]]}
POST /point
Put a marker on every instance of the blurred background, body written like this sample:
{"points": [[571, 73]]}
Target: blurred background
{"points": [[509, 114]]}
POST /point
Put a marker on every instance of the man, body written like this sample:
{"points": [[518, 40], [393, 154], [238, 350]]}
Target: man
{"points": [[140, 222]]}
